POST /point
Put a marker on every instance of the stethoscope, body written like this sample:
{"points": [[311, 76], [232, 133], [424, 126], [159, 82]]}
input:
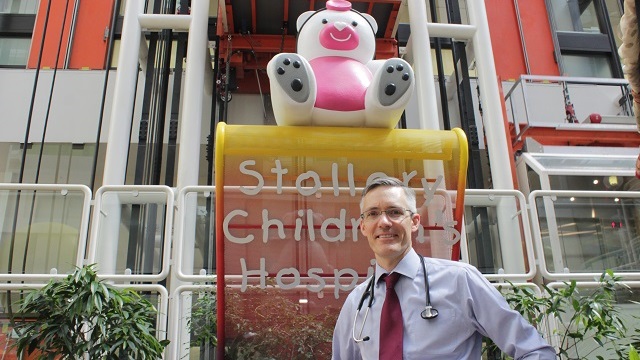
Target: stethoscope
{"points": [[428, 313]]}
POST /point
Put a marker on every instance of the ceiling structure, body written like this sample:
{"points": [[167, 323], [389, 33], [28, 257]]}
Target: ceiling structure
{"points": [[253, 31]]}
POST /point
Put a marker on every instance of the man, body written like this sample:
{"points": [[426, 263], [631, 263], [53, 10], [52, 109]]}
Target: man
{"points": [[468, 306]]}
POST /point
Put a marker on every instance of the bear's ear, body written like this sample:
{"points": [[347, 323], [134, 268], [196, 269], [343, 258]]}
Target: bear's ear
{"points": [[303, 19], [371, 21]]}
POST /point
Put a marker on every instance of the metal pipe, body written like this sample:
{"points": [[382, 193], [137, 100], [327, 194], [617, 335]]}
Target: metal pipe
{"points": [[107, 67], [190, 127], [522, 40], [442, 82], [494, 127], [165, 21], [454, 31], [123, 97], [72, 31], [426, 95], [191, 121], [497, 142], [576, 80]]}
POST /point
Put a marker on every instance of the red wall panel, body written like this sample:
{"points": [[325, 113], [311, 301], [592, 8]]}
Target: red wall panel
{"points": [[538, 37], [88, 45], [89, 48], [508, 48], [56, 38]]}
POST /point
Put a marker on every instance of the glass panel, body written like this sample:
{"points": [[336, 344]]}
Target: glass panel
{"points": [[448, 64], [575, 15], [39, 230], [61, 163], [199, 230], [201, 323], [14, 51], [594, 183], [6, 157], [605, 163], [441, 12], [588, 234], [18, 6], [615, 13], [491, 234], [131, 232], [587, 66]]}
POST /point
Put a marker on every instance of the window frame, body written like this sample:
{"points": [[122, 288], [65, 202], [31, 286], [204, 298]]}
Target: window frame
{"points": [[586, 43]]}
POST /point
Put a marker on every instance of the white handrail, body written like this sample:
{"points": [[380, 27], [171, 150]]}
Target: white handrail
{"points": [[179, 240], [488, 197], [563, 274], [129, 194]]}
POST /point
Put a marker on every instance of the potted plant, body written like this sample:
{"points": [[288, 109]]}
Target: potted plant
{"points": [[593, 316], [82, 317]]}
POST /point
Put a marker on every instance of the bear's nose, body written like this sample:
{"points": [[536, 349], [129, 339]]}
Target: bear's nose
{"points": [[340, 25]]}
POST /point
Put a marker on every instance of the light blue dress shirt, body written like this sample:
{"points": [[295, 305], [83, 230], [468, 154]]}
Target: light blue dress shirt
{"points": [[469, 308]]}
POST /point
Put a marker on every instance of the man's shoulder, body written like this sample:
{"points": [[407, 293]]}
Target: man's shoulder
{"points": [[450, 265]]}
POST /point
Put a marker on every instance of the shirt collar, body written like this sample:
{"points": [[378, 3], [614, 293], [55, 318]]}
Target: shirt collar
{"points": [[408, 266]]}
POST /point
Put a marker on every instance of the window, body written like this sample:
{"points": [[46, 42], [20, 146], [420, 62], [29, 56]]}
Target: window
{"points": [[587, 66], [14, 51], [18, 6], [585, 38], [17, 18], [576, 15]]}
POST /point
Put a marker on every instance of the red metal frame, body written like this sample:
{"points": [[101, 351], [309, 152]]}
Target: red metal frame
{"points": [[257, 49], [577, 137]]}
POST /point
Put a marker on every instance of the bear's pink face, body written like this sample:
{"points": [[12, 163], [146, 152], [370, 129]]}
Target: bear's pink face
{"points": [[346, 34], [339, 35]]}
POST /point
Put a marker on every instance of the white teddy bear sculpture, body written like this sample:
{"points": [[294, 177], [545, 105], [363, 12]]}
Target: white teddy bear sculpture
{"points": [[333, 80]]}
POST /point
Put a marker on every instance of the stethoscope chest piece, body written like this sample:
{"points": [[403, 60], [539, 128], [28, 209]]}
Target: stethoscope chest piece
{"points": [[429, 313]]}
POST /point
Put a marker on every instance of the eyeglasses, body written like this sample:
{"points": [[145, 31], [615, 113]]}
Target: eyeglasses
{"points": [[393, 214]]}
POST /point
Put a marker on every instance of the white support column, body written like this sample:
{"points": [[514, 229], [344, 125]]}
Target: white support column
{"points": [[497, 142], [191, 120], [190, 132], [427, 108], [423, 66], [117, 150]]}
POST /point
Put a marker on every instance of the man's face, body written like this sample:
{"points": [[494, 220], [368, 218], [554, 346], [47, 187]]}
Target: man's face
{"points": [[390, 239]]}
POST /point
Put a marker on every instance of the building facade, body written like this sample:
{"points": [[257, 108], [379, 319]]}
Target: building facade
{"points": [[110, 111]]}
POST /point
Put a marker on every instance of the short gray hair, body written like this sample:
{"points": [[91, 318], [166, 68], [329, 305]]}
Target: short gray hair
{"points": [[409, 193]]}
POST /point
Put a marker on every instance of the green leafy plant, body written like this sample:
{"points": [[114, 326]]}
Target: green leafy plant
{"points": [[580, 318], [202, 322], [633, 354], [81, 316]]}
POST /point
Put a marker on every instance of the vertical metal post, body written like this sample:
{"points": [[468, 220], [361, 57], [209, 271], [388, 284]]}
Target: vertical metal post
{"points": [[117, 149], [425, 89], [497, 140]]}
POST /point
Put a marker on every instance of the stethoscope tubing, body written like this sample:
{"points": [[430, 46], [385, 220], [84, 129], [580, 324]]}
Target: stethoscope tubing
{"points": [[428, 313]]}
